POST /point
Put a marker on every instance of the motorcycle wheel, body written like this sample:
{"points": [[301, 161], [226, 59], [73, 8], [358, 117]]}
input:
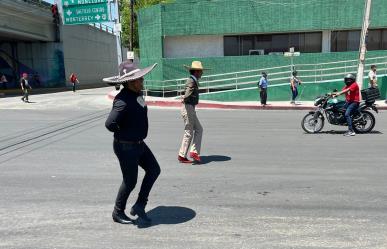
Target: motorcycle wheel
{"points": [[365, 124], [312, 125]]}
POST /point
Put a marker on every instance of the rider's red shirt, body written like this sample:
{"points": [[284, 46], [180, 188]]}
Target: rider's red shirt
{"points": [[353, 94]]}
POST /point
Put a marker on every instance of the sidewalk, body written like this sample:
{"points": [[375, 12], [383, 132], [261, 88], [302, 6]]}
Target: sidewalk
{"points": [[246, 105]]}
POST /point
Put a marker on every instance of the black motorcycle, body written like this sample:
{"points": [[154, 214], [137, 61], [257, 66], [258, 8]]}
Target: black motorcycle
{"points": [[333, 109]]}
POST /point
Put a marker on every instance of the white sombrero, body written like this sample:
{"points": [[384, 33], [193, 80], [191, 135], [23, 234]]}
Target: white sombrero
{"points": [[128, 72]]}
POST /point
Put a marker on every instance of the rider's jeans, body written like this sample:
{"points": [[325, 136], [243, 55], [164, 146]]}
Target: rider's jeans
{"points": [[350, 108]]}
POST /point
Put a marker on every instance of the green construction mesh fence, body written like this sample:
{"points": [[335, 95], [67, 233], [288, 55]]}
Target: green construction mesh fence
{"points": [[226, 17]]}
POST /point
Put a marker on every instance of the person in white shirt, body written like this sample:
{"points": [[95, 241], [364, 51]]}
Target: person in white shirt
{"points": [[373, 78]]}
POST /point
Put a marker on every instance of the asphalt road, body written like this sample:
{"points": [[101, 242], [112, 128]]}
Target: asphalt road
{"points": [[264, 182]]}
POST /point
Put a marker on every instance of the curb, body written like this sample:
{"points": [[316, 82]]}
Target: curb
{"points": [[203, 105], [227, 106]]}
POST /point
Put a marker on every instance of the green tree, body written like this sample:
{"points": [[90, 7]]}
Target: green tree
{"points": [[125, 19]]}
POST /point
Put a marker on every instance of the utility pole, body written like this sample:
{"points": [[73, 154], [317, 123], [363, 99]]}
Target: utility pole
{"points": [[117, 30], [363, 45], [131, 24]]}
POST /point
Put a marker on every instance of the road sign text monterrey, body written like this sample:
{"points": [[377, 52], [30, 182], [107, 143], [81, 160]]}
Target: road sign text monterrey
{"points": [[88, 13]]}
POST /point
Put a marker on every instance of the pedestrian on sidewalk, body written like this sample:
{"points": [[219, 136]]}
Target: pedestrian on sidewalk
{"points": [[128, 120], [25, 86], [372, 77], [74, 80], [262, 84], [3, 81], [294, 83], [193, 130]]}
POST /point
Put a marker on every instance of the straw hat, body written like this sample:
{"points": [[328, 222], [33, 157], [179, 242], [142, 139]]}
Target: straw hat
{"points": [[196, 65], [128, 72]]}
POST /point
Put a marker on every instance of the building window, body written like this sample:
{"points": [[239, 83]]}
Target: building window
{"points": [[374, 40], [245, 44], [312, 43], [384, 39], [263, 42], [231, 46], [349, 40]]}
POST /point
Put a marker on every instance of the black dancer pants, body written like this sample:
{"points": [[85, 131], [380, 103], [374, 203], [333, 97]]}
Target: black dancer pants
{"points": [[130, 157]]}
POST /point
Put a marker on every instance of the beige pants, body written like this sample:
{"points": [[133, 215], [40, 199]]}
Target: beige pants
{"points": [[193, 131]]}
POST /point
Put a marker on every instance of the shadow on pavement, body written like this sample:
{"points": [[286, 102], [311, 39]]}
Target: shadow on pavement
{"points": [[167, 215], [214, 158], [333, 132]]}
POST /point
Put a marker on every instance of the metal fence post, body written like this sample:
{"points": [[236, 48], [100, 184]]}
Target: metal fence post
{"points": [[236, 81]]}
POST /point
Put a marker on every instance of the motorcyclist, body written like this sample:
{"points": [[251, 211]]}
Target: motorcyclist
{"points": [[352, 100]]}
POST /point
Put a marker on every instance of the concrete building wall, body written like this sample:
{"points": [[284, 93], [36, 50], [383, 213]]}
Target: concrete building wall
{"points": [[45, 59], [89, 52], [193, 46]]}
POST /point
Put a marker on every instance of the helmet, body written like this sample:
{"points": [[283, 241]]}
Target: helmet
{"points": [[349, 79], [264, 74]]}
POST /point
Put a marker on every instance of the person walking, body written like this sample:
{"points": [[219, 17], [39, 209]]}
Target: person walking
{"points": [[193, 130], [262, 84], [128, 120], [372, 77], [3, 81], [352, 100], [25, 86], [74, 80], [294, 83]]}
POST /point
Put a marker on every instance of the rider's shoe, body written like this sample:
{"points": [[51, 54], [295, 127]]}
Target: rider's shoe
{"points": [[349, 133]]}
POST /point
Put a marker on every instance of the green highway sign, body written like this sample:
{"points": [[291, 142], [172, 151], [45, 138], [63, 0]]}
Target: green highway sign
{"points": [[88, 13], [67, 3]]}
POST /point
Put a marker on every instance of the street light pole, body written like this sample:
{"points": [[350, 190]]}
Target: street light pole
{"points": [[363, 45], [118, 30]]}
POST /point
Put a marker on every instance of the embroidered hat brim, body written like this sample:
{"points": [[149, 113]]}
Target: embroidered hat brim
{"points": [[130, 76]]}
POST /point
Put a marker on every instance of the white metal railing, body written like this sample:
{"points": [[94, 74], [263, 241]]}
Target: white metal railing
{"points": [[278, 76]]}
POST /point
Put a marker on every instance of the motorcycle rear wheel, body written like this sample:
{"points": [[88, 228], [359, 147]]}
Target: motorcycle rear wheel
{"points": [[310, 124], [366, 124]]}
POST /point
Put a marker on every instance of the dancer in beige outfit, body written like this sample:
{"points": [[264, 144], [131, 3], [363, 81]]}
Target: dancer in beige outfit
{"points": [[193, 130]]}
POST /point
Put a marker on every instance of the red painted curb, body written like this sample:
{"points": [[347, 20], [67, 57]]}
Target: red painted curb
{"points": [[228, 106], [160, 103]]}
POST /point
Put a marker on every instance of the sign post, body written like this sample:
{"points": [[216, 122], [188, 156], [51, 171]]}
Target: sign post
{"points": [[291, 54]]}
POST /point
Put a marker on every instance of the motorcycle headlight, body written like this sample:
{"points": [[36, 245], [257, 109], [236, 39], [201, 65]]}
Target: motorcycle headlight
{"points": [[317, 101]]}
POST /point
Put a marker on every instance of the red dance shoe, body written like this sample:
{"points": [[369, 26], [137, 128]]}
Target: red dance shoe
{"points": [[195, 156], [183, 159]]}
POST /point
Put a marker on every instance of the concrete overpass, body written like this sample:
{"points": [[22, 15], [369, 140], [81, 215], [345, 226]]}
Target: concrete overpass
{"points": [[26, 21], [31, 42]]}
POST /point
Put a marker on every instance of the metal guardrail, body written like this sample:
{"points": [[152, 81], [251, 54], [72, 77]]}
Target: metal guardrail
{"points": [[103, 27], [278, 76]]}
